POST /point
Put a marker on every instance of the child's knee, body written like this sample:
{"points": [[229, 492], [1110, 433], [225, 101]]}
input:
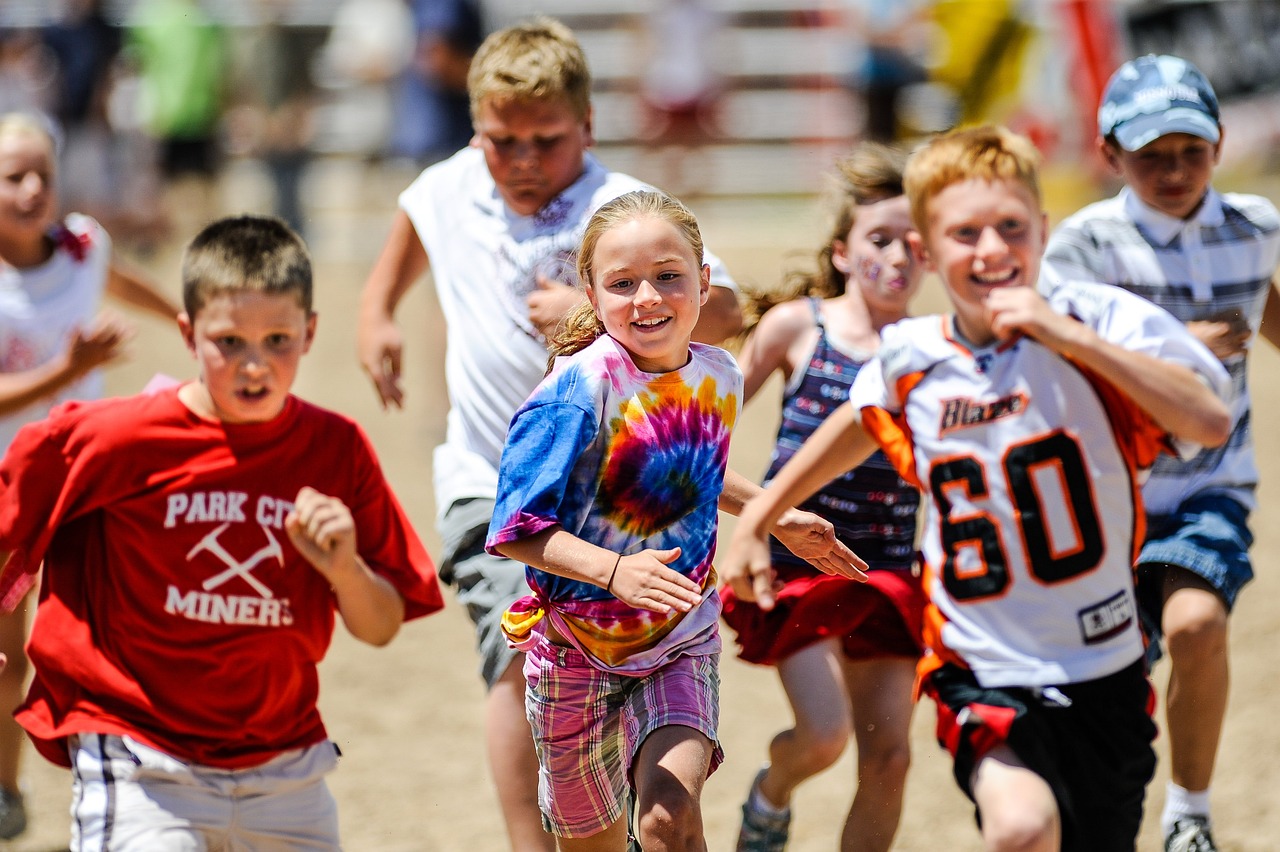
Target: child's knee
{"points": [[670, 817], [1021, 830], [885, 763], [1195, 624], [821, 746]]}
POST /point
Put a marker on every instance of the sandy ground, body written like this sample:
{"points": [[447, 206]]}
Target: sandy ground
{"points": [[407, 717]]}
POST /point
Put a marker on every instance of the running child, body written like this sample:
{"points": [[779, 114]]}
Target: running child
{"points": [[495, 220], [53, 274], [845, 652], [608, 490], [195, 553], [1208, 259], [1026, 423]]}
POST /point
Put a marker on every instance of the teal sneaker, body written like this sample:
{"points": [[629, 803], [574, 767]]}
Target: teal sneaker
{"points": [[762, 831]]}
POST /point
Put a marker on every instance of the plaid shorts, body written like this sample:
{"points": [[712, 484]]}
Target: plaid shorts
{"points": [[589, 724]]}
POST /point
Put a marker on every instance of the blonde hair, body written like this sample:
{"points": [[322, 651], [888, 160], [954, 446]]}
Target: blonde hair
{"points": [[33, 124], [537, 60], [248, 253], [581, 326], [870, 173], [987, 153]]}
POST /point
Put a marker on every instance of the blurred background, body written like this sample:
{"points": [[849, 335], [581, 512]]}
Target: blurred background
{"points": [[178, 110]]}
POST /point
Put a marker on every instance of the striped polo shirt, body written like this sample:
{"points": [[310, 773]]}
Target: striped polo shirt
{"points": [[1209, 266]]}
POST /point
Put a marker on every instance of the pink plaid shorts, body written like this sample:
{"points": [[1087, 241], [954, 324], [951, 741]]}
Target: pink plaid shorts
{"points": [[588, 725]]}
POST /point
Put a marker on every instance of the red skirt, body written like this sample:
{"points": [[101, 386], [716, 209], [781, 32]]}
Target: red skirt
{"points": [[882, 617]]}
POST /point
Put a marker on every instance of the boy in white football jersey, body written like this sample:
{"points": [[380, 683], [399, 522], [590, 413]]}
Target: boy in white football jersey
{"points": [[492, 222], [1025, 423]]}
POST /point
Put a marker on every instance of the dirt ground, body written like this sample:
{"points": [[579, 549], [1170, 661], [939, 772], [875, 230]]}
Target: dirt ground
{"points": [[408, 717]]}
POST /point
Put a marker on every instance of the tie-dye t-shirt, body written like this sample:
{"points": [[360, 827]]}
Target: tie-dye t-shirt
{"points": [[626, 460]]}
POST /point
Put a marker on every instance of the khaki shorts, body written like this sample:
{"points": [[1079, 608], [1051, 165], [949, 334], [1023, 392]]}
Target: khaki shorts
{"points": [[486, 585]]}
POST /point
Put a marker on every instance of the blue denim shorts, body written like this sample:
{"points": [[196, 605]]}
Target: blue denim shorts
{"points": [[1207, 535]]}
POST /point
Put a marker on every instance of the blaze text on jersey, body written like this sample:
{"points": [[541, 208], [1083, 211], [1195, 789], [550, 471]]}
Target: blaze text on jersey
{"points": [[960, 412], [206, 603]]}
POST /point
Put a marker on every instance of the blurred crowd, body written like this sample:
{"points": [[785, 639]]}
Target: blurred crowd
{"points": [[165, 94], [154, 94]]}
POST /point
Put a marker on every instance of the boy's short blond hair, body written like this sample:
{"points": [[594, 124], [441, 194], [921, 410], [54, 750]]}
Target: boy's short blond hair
{"points": [[536, 60], [248, 253], [985, 153]]}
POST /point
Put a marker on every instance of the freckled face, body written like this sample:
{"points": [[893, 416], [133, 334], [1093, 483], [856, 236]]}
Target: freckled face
{"points": [[981, 235], [876, 258], [248, 346], [647, 288]]}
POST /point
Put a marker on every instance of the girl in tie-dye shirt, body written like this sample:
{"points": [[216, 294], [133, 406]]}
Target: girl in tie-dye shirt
{"points": [[608, 490]]}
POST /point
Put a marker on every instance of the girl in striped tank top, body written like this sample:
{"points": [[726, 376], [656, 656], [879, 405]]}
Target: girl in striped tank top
{"points": [[845, 651]]}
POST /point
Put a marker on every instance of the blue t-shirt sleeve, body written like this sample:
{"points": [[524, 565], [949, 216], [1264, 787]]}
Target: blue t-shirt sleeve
{"points": [[543, 445]]}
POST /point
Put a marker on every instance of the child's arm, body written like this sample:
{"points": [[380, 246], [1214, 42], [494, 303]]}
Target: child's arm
{"points": [[768, 346], [805, 534], [323, 531], [1172, 394], [103, 341], [403, 261], [1270, 328], [132, 286], [838, 445], [642, 579]]}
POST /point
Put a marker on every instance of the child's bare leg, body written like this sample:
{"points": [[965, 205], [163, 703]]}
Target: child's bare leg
{"points": [[1019, 811], [612, 839], [880, 694], [670, 770], [815, 688], [513, 761], [13, 636], [1195, 629]]}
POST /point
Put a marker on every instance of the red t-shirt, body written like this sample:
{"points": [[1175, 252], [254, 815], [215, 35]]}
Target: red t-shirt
{"points": [[174, 608]]}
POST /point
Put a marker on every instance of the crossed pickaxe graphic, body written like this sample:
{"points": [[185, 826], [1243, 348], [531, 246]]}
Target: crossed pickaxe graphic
{"points": [[235, 567]]}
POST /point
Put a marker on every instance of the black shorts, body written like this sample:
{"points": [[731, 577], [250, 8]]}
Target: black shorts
{"points": [[1091, 742]]}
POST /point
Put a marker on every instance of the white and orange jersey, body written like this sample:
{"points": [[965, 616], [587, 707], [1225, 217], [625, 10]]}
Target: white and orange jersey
{"points": [[1031, 467]]}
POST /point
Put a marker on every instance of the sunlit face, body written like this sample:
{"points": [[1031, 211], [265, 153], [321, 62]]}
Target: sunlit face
{"points": [[647, 288], [981, 235], [248, 346], [28, 202], [1170, 174], [534, 149], [876, 258]]}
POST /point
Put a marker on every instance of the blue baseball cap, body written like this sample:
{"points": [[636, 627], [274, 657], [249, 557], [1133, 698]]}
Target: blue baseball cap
{"points": [[1153, 96]]}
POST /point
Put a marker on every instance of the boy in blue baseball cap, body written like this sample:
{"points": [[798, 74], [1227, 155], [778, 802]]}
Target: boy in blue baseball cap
{"points": [[1207, 258]]}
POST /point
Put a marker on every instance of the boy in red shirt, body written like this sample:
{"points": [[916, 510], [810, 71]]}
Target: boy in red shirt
{"points": [[196, 544]]}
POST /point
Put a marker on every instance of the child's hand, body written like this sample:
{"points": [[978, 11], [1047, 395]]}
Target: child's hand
{"points": [[101, 342], [380, 344], [324, 532], [1227, 336], [1015, 311], [643, 580], [814, 540], [550, 303], [747, 568]]}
